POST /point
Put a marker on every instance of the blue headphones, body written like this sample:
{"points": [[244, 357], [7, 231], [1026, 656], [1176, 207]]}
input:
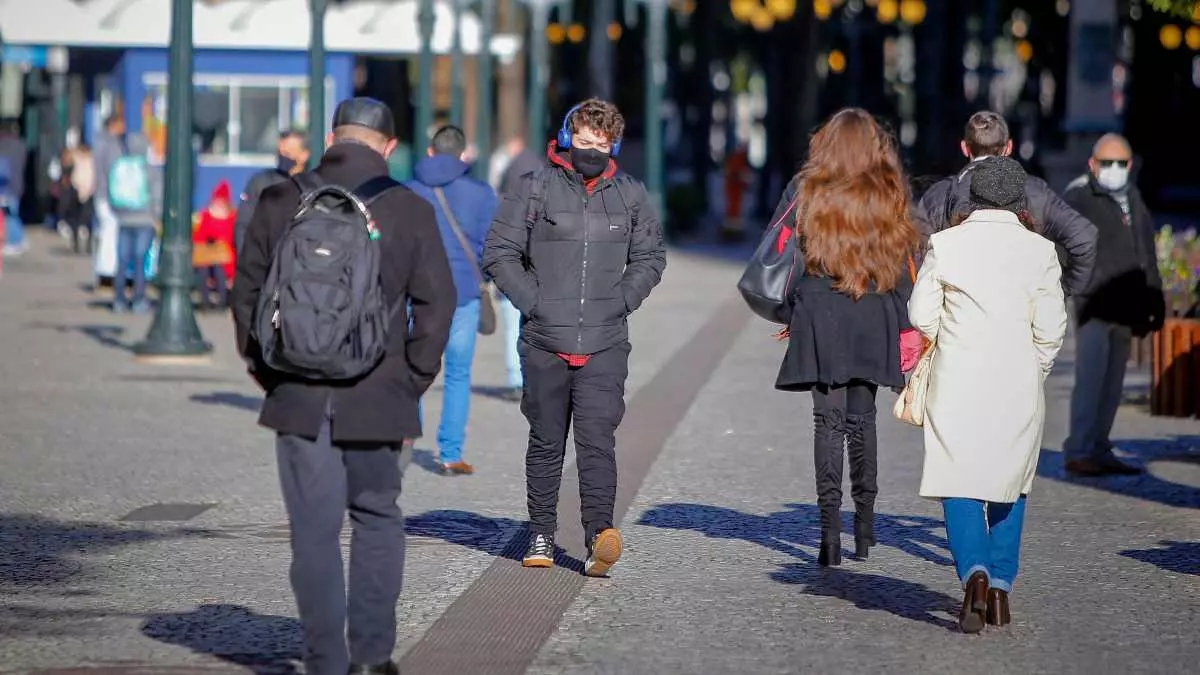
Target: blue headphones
{"points": [[564, 134]]}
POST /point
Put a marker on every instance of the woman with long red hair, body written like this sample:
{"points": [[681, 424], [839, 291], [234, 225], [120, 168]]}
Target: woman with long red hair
{"points": [[848, 307]]}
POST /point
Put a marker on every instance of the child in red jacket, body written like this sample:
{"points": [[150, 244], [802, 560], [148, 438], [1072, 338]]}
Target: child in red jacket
{"points": [[213, 247]]}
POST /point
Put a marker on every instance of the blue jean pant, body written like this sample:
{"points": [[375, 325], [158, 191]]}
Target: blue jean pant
{"points": [[456, 399], [14, 227], [511, 316], [133, 243], [985, 537]]}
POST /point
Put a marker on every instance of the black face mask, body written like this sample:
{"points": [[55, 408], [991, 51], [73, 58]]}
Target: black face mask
{"points": [[589, 162], [284, 164]]}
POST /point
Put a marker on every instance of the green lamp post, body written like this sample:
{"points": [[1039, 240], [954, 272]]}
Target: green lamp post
{"points": [[316, 78], [539, 69], [174, 332], [483, 110], [425, 21], [456, 67], [656, 81]]}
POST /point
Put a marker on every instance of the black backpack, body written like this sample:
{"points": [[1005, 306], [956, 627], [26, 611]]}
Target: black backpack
{"points": [[322, 314]]}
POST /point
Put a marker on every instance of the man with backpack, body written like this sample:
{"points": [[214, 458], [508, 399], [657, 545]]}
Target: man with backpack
{"points": [[333, 262], [464, 208], [577, 247], [132, 189], [986, 135]]}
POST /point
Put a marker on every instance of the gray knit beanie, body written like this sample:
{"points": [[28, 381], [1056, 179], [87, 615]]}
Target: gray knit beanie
{"points": [[998, 183]]}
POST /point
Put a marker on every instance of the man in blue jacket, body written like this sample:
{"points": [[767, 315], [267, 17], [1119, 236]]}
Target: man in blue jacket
{"points": [[442, 179]]}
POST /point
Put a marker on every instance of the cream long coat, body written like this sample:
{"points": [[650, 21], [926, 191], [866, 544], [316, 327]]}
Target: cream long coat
{"points": [[989, 295]]}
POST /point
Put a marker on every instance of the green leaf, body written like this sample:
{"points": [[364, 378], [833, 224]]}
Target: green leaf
{"points": [[1186, 9]]}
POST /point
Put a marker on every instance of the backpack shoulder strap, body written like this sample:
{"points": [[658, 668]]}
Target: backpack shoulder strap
{"points": [[537, 192], [374, 188], [633, 206]]}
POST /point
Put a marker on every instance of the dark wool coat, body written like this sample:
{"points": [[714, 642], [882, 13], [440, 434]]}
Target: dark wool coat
{"points": [[836, 339], [381, 407]]}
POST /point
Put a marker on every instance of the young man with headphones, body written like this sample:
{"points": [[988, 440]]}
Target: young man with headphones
{"points": [[576, 247]]}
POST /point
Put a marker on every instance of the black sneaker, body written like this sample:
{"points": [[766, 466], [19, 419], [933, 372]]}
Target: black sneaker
{"points": [[604, 550], [540, 552]]}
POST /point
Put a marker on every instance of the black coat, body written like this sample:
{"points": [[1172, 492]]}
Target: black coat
{"points": [[836, 339], [382, 406], [1125, 286], [1053, 218], [257, 184], [582, 263]]}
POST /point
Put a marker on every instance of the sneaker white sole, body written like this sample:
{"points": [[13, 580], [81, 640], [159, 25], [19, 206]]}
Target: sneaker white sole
{"points": [[606, 551], [537, 561]]}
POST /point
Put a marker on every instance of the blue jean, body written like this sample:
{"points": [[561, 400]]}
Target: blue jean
{"points": [[985, 537], [14, 227], [133, 243], [456, 399], [511, 316]]}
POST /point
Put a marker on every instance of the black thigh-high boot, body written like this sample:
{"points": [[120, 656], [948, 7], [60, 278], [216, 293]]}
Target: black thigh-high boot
{"points": [[862, 447], [829, 436]]}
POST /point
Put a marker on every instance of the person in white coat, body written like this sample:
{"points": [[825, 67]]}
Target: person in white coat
{"points": [[989, 296]]}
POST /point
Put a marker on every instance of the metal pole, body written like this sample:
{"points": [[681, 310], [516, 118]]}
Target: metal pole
{"points": [[316, 79], [425, 21], [600, 49], [456, 68], [483, 124], [539, 71], [656, 80], [174, 332]]}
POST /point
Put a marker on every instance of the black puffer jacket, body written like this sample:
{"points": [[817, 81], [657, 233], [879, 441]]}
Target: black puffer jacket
{"points": [[1054, 219], [575, 258]]}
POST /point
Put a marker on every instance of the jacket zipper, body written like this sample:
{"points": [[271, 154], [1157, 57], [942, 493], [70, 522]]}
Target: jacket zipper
{"points": [[583, 273]]}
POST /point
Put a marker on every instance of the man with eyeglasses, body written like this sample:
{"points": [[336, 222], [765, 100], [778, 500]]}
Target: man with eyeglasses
{"points": [[943, 204], [1124, 299]]}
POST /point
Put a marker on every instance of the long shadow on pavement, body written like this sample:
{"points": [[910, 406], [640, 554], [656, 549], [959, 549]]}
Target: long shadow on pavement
{"points": [[1182, 557], [231, 399], [463, 528], [902, 598], [1184, 449], [105, 334], [268, 645], [44, 563], [500, 537], [798, 528]]}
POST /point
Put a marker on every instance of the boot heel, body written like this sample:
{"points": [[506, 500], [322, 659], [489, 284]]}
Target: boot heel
{"points": [[864, 534], [831, 553]]}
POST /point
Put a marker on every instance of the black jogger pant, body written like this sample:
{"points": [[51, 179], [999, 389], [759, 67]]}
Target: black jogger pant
{"points": [[320, 483], [593, 398], [844, 417]]}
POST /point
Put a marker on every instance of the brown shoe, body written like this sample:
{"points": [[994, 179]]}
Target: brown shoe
{"points": [[603, 552], [1092, 468], [974, 606], [997, 608], [459, 468]]}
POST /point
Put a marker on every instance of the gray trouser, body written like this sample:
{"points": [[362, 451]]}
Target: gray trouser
{"points": [[320, 482], [1101, 354]]}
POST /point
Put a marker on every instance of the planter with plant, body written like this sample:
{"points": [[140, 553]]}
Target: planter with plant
{"points": [[1176, 348]]}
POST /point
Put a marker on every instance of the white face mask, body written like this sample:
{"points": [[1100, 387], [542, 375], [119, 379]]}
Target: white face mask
{"points": [[1113, 177]]}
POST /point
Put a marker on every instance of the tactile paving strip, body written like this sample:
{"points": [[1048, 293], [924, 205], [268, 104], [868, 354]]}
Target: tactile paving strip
{"points": [[498, 625]]}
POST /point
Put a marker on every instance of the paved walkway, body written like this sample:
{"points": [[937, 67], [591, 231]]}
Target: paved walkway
{"points": [[141, 529]]}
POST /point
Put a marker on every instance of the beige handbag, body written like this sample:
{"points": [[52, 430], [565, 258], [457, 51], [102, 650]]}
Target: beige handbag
{"points": [[910, 405]]}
